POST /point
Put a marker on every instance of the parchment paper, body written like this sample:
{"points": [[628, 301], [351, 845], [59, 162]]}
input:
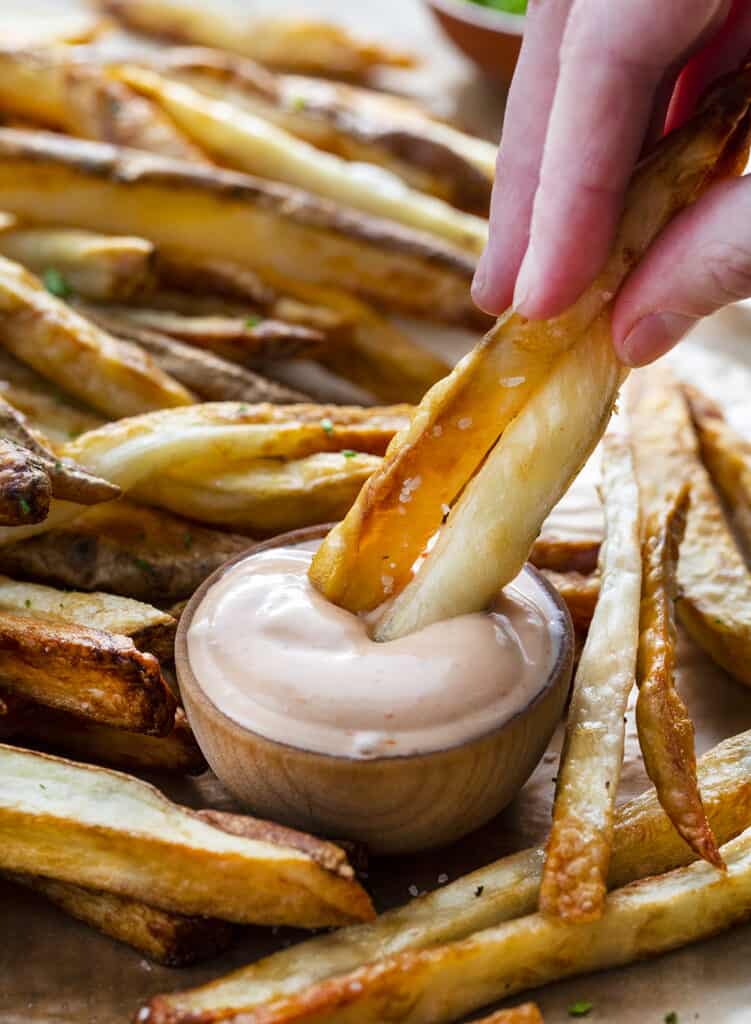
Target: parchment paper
{"points": [[54, 970]]}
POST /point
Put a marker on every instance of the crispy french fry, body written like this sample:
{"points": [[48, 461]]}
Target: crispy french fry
{"points": [[579, 592], [355, 124], [267, 496], [238, 138], [143, 553], [714, 602], [566, 555], [105, 267], [299, 44], [60, 732], [109, 831], [527, 1013], [207, 375], [247, 341], [727, 456], [192, 273], [85, 671], [645, 843], [219, 214], [150, 629], [115, 377], [53, 88], [68, 481], [666, 733], [174, 940], [25, 488], [462, 417], [577, 856]]}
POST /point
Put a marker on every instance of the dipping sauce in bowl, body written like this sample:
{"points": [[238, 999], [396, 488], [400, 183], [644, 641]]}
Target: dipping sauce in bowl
{"points": [[403, 744]]}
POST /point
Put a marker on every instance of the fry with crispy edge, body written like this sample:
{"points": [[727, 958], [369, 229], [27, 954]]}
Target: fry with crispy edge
{"points": [[491, 394], [714, 584], [644, 843], [109, 831], [25, 488], [237, 138], [144, 553], [174, 940], [527, 1013], [114, 377], [727, 456], [566, 554], [104, 267], [53, 88], [577, 855], [218, 214], [198, 442], [356, 124], [88, 672], [666, 733], [579, 592], [295, 44]]}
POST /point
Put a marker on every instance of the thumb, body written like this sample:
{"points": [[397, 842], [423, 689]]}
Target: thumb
{"points": [[700, 263]]}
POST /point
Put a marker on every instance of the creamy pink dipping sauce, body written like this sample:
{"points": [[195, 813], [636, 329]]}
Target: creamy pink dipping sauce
{"points": [[278, 658]]}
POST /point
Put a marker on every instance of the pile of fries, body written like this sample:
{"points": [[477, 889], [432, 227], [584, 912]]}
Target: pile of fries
{"points": [[180, 234]]}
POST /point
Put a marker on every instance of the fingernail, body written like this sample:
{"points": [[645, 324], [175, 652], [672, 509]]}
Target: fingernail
{"points": [[480, 280], [653, 336], [525, 280]]}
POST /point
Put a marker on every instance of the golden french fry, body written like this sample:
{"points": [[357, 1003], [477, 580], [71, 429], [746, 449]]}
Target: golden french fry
{"points": [[143, 553], [645, 843], [25, 488], [112, 376], [300, 44], [527, 1013], [563, 555], [727, 456], [577, 856], [240, 139], [105, 267], [217, 214], [714, 602], [463, 416], [88, 672], [174, 940], [579, 592], [105, 830]]}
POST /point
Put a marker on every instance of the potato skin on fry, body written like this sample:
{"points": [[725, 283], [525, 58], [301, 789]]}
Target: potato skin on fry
{"points": [[25, 488]]}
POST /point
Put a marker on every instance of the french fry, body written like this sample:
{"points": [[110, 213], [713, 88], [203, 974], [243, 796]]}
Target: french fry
{"points": [[727, 456], [191, 273], [54, 89], [298, 44], [109, 831], [150, 629], [174, 940], [577, 855], [105, 267], [138, 552], [25, 488], [248, 341], [666, 733], [463, 416], [645, 843], [205, 374], [88, 672], [579, 592], [566, 554], [268, 495], [67, 480], [356, 124], [643, 919], [241, 140], [112, 376], [527, 1013], [219, 214], [714, 584], [60, 732], [65, 27]]}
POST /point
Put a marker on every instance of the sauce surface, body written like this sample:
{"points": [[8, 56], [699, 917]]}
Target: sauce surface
{"points": [[278, 658]]}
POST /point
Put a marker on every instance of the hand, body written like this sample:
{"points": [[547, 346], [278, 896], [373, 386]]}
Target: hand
{"points": [[596, 83]]}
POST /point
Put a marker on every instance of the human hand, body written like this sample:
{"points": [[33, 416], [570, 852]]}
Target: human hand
{"points": [[595, 83]]}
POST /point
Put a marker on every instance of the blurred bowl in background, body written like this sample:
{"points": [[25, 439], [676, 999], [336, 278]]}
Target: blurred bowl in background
{"points": [[490, 38]]}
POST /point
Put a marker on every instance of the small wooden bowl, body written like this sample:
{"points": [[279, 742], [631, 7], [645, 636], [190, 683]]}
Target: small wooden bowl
{"points": [[393, 804], [490, 38]]}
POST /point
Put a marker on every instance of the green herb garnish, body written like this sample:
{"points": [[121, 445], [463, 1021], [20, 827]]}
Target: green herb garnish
{"points": [[298, 103], [56, 284], [479, 890], [25, 506], [508, 6], [143, 565], [671, 1018], [581, 1008], [348, 453], [327, 426], [252, 321], [188, 541], [27, 603]]}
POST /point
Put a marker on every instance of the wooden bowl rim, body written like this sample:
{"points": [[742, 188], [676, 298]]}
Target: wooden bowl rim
{"points": [[561, 666], [503, 23]]}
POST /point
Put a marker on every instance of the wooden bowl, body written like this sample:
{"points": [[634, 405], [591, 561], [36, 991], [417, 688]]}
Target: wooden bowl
{"points": [[490, 38], [393, 804]]}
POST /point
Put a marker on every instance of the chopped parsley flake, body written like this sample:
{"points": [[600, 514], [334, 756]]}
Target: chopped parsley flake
{"points": [[479, 890], [252, 321], [143, 565], [25, 506], [348, 453], [327, 426], [188, 541], [671, 1018], [27, 603], [581, 1008], [298, 103], [56, 284]]}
